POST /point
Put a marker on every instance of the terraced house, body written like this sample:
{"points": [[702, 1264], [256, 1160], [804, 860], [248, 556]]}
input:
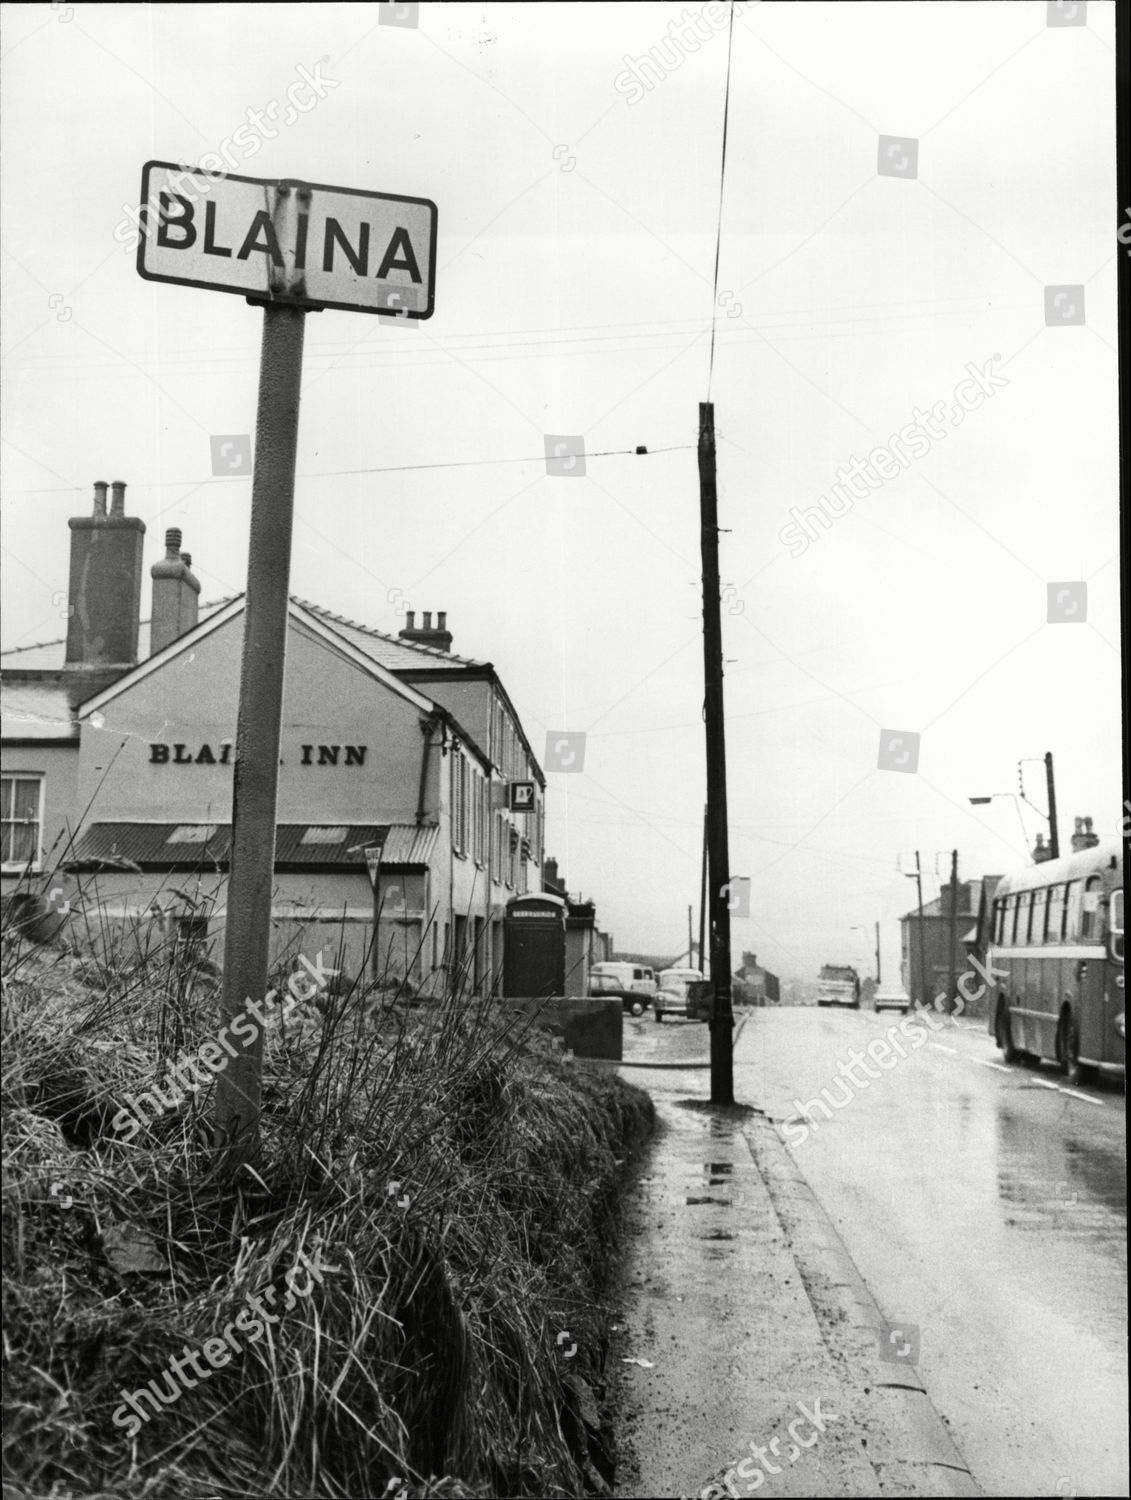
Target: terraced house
{"points": [[119, 745]]}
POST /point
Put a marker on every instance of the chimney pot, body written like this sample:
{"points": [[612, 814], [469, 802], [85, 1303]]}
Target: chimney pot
{"points": [[427, 620], [442, 620], [410, 619], [104, 592], [172, 543], [186, 558]]}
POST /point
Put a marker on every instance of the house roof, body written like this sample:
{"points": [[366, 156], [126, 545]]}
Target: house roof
{"points": [[390, 650], [299, 847], [970, 895], [36, 712], [387, 650]]}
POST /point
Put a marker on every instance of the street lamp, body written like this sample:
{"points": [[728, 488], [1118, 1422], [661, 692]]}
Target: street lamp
{"points": [[981, 801], [1049, 817]]}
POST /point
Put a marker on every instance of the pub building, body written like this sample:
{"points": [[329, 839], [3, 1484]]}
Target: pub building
{"points": [[118, 759]]}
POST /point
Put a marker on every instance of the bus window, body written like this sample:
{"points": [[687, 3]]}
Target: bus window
{"points": [[1054, 925], [999, 920], [1040, 910], [1115, 923], [1090, 914], [1071, 929], [1025, 920], [1013, 921]]}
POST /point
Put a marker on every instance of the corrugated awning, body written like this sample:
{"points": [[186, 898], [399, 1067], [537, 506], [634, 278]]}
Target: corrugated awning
{"points": [[313, 847]]}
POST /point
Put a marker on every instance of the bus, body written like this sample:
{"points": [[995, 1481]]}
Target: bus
{"points": [[1055, 960]]}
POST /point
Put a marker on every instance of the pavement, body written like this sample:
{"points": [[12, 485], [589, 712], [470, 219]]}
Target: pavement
{"points": [[747, 1351]]}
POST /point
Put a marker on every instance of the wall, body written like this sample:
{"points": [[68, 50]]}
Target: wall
{"points": [[61, 806], [193, 700]]}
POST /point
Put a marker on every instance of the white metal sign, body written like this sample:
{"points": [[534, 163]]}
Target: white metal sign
{"points": [[301, 243], [373, 854]]}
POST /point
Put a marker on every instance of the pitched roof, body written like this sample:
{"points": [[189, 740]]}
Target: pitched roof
{"points": [[389, 650], [39, 711]]}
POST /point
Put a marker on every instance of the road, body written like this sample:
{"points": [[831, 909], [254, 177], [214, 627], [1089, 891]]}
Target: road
{"points": [[985, 1208]]}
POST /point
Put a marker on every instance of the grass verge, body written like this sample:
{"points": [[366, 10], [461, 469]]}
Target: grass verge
{"points": [[429, 1224]]}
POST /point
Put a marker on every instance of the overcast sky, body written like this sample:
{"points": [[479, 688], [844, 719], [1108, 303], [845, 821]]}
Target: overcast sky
{"points": [[578, 208]]}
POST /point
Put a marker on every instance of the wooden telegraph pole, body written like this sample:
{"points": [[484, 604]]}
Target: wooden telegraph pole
{"points": [[718, 853]]}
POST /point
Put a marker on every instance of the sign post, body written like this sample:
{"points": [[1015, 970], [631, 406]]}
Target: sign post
{"points": [[290, 247], [251, 869]]}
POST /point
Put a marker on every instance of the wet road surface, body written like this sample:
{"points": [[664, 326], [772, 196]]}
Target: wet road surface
{"points": [[985, 1208]]}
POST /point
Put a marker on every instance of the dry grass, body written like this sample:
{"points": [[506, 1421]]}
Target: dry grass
{"points": [[456, 1175]]}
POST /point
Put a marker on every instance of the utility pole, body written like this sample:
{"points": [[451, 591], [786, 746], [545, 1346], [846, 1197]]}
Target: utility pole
{"points": [[921, 933], [703, 902], [1054, 837], [718, 852], [690, 950], [877, 955], [952, 981]]}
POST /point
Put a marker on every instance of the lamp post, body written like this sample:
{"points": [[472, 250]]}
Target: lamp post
{"points": [[917, 876]]}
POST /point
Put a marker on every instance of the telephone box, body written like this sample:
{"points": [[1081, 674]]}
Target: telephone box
{"points": [[534, 945]]}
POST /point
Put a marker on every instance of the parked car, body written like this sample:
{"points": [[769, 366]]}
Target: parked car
{"points": [[672, 995], [635, 984], [891, 999]]}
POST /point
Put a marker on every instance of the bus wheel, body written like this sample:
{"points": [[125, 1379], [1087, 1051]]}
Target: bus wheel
{"points": [[1003, 1035], [1068, 1052]]}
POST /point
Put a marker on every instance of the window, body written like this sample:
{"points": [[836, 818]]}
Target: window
{"points": [[1037, 925], [1013, 908], [22, 825], [1090, 915], [1054, 925], [1116, 925], [459, 803]]}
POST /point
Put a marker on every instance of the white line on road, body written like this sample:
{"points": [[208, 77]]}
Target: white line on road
{"points": [[1072, 1094], [1042, 1083], [983, 1063], [938, 1046]]}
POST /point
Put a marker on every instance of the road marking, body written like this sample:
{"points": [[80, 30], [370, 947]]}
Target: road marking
{"points": [[1042, 1083], [938, 1046], [983, 1063], [1072, 1094]]}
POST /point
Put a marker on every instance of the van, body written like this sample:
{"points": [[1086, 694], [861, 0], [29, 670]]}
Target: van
{"points": [[622, 979]]}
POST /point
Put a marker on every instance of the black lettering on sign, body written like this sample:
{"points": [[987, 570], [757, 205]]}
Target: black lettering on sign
{"points": [[328, 755], [262, 224], [406, 261], [355, 755], [360, 261], [306, 752], [210, 245], [179, 757], [205, 758], [158, 755], [183, 221], [225, 751], [300, 241]]}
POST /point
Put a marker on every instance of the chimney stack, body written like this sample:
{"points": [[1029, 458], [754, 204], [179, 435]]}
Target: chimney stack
{"points": [[104, 594], [1041, 850], [439, 636], [176, 595], [1084, 838]]}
